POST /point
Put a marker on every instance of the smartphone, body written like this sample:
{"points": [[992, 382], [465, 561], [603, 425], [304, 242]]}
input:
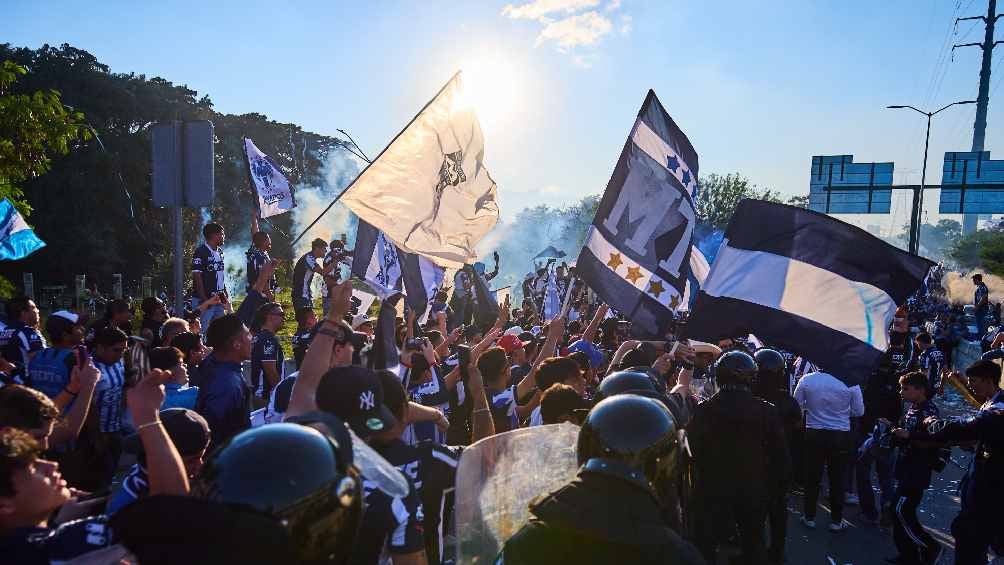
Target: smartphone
{"points": [[414, 343], [81, 352]]}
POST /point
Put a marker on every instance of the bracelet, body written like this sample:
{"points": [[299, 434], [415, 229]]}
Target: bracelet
{"points": [[148, 425], [70, 392]]}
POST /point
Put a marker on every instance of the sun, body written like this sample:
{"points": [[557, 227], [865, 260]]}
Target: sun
{"points": [[493, 85]]}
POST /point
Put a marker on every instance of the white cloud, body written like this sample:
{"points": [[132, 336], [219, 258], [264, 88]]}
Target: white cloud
{"points": [[626, 22], [575, 31], [613, 5], [540, 9]]}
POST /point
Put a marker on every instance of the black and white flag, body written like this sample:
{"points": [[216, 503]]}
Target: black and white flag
{"points": [[429, 191], [274, 193], [388, 270], [808, 283], [637, 252]]}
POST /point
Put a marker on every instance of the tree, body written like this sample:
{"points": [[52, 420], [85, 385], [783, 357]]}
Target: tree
{"points": [[33, 127], [936, 240], [718, 196], [800, 201], [982, 249]]}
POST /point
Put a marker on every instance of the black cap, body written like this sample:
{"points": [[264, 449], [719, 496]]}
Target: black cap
{"points": [[187, 429], [355, 395]]}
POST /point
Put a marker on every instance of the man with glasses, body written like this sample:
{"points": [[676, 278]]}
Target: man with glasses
{"points": [[266, 351], [104, 434]]}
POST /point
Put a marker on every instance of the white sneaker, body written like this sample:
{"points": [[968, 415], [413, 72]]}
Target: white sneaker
{"points": [[811, 524], [851, 499], [839, 527]]}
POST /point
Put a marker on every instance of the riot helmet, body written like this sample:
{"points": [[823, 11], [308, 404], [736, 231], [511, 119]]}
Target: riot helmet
{"points": [[632, 437], [295, 475], [735, 368], [635, 381], [772, 371]]}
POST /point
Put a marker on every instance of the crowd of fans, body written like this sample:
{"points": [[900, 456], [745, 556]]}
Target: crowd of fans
{"points": [[198, 441]]}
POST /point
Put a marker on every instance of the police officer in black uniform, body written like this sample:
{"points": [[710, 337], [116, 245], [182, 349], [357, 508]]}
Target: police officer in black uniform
{"points": [[977, 526], [740, 459], [772, 385], [609, 513]]}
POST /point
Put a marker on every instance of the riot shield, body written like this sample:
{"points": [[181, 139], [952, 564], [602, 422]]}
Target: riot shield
{"points": [[498, 477]]}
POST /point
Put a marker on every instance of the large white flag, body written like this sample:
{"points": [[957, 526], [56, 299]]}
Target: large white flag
{"points": [[274, 194], [429, 190]]}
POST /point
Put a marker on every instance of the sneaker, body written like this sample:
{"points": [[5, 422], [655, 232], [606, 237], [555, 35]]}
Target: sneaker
{"points": [[851, 499], [839, 526], [808, 522]]}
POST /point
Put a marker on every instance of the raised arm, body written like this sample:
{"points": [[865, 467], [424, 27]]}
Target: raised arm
{"points": [[318, 358], [81, 388], [163, 463], [554, 332], [594, 324]]}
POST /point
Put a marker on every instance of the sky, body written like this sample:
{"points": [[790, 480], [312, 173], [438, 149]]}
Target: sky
{"points": [[759, 87]]}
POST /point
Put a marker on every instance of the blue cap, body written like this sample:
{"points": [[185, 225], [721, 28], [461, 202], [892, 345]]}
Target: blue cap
{"points": [[595, 355]]}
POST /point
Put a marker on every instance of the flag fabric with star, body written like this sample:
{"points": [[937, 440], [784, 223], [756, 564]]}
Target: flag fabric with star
{"points": [[17, 239], [429, 191], [637, 252], [275, 196], [808, 283]]}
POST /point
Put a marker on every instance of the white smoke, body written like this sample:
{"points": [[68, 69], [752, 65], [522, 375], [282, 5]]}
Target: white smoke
{"points": [[961, 290]]}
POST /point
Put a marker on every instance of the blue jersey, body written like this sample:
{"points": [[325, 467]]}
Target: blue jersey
{"points": [[49, 371], [503, 407], [982, 295], [914, 464], [135, 486], [265, 347], [303, 275], [109, 396], [43, 546], [256, 261], [179, 396], [19, 342], [224, 400], [931, 361], [432, 468], [390, 523], [431, 393], [207, 263]]}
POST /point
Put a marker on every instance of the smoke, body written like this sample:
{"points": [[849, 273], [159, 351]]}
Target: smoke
{"points": [[960, 287], [338, 171]]}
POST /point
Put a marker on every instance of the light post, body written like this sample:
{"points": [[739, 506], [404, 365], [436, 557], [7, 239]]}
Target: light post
{"points": [[918, 193]]}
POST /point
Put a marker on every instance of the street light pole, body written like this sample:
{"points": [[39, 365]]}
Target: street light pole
{"points": [[918, 193]]}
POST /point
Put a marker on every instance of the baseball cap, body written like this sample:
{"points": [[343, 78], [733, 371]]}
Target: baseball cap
{"points": [[359, 320], [67, 315], [589, 348], [511, 343], [187, 429], [515, 330], [355, 395]]}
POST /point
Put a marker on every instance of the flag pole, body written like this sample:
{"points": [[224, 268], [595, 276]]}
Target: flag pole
{"points": [[370, 163]]}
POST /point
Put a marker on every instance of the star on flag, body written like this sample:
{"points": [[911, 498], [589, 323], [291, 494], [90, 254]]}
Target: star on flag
{"points": [[633, 274], [615, 261], [655, 288]]}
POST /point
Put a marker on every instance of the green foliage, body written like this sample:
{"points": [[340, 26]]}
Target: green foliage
{"points": [[7, 289], [983, 249], [34, 126], [937, 240], [719, 195], [94, 207], [799, 201]]}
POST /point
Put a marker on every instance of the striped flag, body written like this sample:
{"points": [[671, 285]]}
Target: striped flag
{"points": [[389, 270], [808, 283], [637, 253], [17, 239]]}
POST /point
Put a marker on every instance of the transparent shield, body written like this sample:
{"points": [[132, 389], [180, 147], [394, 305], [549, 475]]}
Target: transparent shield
{"points": [[498, 477]]}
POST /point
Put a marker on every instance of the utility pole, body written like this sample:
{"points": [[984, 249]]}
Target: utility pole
{"points": [[983, 99]]}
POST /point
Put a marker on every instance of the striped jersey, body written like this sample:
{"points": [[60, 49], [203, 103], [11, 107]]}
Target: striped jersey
{"points": [[109, 396]]}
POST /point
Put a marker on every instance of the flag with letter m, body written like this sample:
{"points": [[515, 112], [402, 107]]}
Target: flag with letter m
{"points": [[637, 252]]}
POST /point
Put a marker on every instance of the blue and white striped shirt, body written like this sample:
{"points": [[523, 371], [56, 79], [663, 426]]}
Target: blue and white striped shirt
{"points": [[109, 395]]}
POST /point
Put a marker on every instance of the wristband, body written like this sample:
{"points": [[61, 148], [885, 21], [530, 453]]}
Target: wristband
{"points": [[70, 392], [148, 425]]}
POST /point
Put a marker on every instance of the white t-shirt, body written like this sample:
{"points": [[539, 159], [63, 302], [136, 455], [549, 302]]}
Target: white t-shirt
{"points": [[828, 402]]}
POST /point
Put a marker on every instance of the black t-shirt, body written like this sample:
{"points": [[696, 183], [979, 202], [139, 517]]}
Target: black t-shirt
{"points": [[303, 275], [433, 470], [256, 261], [388, 521], [301, 341], [265, 346]]}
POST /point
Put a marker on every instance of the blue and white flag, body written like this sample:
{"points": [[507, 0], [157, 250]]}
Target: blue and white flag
{"points": [[17, 239], [274, 193], [699, 269], [807, 283], [388, 270], [637, 252]]}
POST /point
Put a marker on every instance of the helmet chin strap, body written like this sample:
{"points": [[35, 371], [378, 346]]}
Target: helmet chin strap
{"points": [[617, 469]]}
